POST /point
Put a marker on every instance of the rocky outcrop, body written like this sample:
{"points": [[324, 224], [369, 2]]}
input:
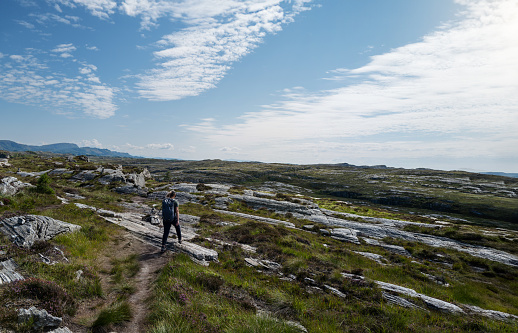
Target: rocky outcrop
{"points": [[41, 319], [11, 186], [25, 230], [136, 178], [8, 272], [4, 162], [380, 231]]}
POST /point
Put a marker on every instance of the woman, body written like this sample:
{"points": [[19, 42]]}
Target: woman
{"points": [[170, 215]]}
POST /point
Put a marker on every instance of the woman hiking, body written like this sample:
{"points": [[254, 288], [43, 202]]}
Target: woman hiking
{"points": [[170, 215]]}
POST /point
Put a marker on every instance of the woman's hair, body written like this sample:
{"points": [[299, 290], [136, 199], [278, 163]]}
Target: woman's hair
{"points": [[171, 194]]}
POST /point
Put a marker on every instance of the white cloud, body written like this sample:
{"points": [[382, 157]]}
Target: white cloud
{"points": [[197, 57], [94, 143], [44, 19], [100, 8], [454, 93], [64, 48], [29, 80], [26, 24], [155, 146], [165, 146]]}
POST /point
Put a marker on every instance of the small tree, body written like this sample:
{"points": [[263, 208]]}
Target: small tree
{"points": [[43, 185]]}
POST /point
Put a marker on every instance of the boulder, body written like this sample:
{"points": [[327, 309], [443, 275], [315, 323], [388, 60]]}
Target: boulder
{"points": [[11, 186], [41, 318], [24, 231], [136, 178], [112, 176], [4, 162]]}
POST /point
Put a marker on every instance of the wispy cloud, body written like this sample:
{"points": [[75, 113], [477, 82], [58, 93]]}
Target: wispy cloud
{"points": [[453, 93], [46, 18], [151, 146], [31, 80], [100, 8], [197, 57]]}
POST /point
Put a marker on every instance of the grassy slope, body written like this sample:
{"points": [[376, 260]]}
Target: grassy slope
{"points": [[223, 297]]}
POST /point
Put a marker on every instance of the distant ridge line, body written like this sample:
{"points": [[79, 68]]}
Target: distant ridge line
{"points": [[61, 148]]}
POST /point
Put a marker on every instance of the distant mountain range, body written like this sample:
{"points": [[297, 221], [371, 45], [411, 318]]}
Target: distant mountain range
{"points": [[61, 148]]}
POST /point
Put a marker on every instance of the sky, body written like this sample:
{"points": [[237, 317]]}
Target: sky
{"points": [[402, 83]]}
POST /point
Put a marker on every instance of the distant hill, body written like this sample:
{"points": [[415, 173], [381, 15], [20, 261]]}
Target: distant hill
{"points": [[61, 148]]}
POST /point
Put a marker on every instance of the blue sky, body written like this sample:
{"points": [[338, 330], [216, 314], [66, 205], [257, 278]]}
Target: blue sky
{"points": [[429, 83]]}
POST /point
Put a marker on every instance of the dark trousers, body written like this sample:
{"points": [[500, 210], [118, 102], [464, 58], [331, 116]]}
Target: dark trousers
{"points": [[167, 227]]}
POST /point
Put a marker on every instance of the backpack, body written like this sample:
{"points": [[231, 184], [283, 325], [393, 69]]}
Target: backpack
{"points": [[168, 209]]}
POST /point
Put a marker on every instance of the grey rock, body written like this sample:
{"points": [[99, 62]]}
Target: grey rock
{"points": [[84, 176], [101, 212], [8, 272], [61, 330], [60, 171], [489, 313], [373, 256], [258, 218], [137, 179], [159, 195], [334, 291], [41, 318], [4, 162], [222, 202], [184, 187], [267, 264], [32, 174], [146, 173], [400, 301], [275, 205], [431, 302], [131, 189], [74, 196], [380, 231], [183, 198], [25, 230], [11, 186], [111, 176], [346, 235]]}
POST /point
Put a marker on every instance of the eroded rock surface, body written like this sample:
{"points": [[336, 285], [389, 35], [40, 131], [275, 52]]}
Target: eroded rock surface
{"points": [[11, 186], [8, 272], [25, 230], [40, 318]]}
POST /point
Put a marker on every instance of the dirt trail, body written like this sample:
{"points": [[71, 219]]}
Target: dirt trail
{"points": [[150, 260]]}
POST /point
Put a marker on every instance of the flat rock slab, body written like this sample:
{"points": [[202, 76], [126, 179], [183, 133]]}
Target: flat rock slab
{"points": [[257, 218], [25, 230], [8, 272], [153, 235], [431, 302]]}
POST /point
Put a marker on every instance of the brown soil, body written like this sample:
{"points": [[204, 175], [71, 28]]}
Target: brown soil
{"points": [[150, 260]]}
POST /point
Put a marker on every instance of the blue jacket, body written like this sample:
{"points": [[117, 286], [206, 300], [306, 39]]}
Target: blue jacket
{"points": [[168, 209]]}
